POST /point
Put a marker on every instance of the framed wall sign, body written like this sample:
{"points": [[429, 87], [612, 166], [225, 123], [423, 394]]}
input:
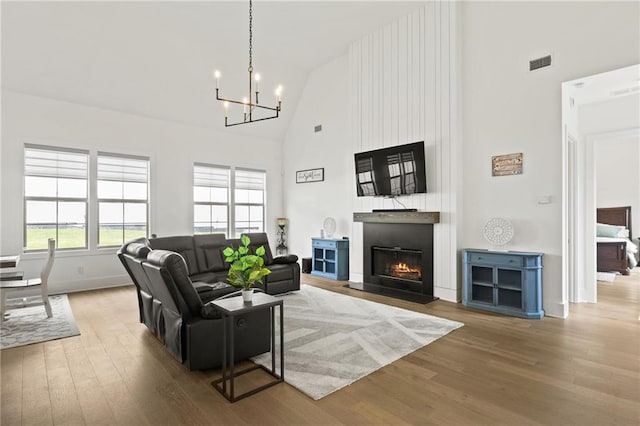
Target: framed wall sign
{"points": [[311, 175], [506, 165]]}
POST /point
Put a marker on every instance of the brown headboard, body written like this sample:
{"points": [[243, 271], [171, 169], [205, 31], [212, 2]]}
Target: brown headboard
{"points": [[615, 216]]}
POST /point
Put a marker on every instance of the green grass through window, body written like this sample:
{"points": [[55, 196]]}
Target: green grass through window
{"points": [[75, 237]]}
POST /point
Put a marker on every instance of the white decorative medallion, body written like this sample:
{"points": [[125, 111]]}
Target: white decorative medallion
{"points": [[329, 227], [498, 231]]}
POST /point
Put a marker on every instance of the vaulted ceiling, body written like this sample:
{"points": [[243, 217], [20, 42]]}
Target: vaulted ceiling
{"points": [[155, 58]]}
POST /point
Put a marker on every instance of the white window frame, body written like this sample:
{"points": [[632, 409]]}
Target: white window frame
{"points": [[30, 170], [210, 183], [122, 175], [254, 186]]}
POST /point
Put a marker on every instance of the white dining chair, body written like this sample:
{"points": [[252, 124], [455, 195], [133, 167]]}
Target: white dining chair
{"points": [[8, 287]]}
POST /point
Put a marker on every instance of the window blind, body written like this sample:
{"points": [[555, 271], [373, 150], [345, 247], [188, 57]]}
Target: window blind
{"points": [[250, 179], [210, 176], [123, 169], [51, 162]]}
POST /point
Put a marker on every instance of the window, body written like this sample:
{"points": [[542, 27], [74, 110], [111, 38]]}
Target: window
{"points": [[55, 197], [123, 201], [210, 199], [249, 201], [366, 176], [402, 173]]}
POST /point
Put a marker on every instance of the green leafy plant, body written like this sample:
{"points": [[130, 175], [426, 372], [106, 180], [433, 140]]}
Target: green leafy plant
{"points": [[246, 268]]}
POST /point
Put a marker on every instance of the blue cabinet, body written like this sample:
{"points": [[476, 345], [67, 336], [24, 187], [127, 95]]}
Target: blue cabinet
{"points": [[330, 258], [505, 282]]}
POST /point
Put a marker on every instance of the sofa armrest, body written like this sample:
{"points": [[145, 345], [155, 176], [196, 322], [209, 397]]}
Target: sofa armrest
{"points": [[290, 258]]}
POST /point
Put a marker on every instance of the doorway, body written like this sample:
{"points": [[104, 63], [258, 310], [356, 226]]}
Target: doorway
{"points": [[595, 110]]}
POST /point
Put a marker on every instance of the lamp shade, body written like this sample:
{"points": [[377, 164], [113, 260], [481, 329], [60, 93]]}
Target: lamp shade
{"points": [[282, 221]]}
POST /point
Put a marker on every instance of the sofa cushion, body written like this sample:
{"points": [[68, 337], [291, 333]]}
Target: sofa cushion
{"points": [[139, 250], [182, 245], [175, 266], [209, 249], [279, 273], [210, 277], [290, 258]]}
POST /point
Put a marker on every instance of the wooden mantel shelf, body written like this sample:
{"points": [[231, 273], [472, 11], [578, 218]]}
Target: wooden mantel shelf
{"points": [[397, 217]]}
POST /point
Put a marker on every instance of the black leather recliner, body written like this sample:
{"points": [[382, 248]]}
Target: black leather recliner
{"points": [[172, 308], [285, 271]]}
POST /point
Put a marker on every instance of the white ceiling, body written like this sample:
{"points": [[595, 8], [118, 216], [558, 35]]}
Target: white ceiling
{"points": [[155, 58], [607, 85]]}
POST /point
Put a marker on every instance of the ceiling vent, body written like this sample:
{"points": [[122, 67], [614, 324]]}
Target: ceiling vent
{"points": [[539, 63]]}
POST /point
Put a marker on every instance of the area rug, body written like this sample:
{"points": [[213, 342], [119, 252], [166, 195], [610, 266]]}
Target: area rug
{"points": [[26, 326], [331, 340], [606, 277]]}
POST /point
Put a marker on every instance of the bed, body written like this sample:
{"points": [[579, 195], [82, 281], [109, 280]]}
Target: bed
{"points": [[616, 251]]}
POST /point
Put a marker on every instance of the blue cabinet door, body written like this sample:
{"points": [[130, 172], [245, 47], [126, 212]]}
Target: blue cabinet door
{"points": [[330, 258]]}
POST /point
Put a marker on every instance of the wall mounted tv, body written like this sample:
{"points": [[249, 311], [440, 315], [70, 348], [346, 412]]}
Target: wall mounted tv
{"points": [[392, 171]]}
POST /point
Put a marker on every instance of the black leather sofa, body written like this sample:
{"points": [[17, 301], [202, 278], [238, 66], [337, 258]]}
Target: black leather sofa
{"points": [[206, 265], [172, 309], [175, 308]]}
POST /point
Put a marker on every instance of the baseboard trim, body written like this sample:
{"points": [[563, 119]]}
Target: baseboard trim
{"points": [[450, 295], [556, 310], [72, 286]]}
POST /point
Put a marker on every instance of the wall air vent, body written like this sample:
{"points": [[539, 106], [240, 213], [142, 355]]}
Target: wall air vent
{"points": [[318, 128], [539, 63]]}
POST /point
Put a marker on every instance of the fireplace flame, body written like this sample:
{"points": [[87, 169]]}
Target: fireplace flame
{"points": [[403, 270]]}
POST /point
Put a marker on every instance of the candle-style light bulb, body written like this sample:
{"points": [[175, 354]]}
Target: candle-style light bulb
{"points": [[226, 109], [257, 79], [216, 75], [279, 93], [244, 101]]}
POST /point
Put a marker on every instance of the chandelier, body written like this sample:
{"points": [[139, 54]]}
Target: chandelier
{"points": [[249, 104]]}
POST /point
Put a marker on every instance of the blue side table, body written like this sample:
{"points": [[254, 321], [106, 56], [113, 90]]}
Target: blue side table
{"points": [[330, 258], [504, 282]]}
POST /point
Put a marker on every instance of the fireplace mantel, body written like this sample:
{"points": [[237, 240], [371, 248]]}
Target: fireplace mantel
{"points": [[397, 217]]}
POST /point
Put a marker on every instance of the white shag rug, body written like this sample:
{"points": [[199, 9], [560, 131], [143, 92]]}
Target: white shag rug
{"points": [[25, 326], [331, 340]]}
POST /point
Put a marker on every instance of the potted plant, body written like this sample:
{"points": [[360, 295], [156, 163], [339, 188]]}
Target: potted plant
{"points": [[246, 269]]}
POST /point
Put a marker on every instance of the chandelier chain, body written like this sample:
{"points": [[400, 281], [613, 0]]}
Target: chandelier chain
{"points": [[250, 36]]}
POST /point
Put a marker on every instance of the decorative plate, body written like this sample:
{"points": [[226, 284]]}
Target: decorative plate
{"points": [[498, 231], [329, 226]]}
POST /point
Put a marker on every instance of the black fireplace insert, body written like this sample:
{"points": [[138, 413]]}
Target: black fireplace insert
{"points": [[398, 260]]}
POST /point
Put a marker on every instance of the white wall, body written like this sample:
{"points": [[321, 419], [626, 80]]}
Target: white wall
{"points": [[617, 175], [324, 101], [173, 148], [508, 109], [395, 86]]}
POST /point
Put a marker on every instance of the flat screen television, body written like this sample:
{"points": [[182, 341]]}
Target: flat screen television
{"points": [[393, 171]]}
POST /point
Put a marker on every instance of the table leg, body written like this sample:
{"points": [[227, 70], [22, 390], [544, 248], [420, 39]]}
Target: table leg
{"points": [[232, 357], [224, 352], [273, 339], [281, 342]]}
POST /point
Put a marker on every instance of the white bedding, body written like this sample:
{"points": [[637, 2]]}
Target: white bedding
{"points": [[632, 249]]}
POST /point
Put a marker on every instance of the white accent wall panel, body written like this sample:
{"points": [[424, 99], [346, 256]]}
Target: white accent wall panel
{"points": [[402, 90]]}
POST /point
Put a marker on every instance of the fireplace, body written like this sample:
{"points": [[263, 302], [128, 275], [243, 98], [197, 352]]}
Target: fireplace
{"points": [[398, 263], [398, 260]]}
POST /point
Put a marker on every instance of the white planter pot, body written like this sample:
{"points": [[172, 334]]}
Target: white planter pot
{"points": [[247, 295]]}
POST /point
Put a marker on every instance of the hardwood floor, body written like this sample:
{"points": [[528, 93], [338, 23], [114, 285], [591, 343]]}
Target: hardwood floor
{"points": [[494, 370]]}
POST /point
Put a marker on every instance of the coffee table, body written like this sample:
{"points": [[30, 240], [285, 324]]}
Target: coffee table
{"points": [[230, 308]]}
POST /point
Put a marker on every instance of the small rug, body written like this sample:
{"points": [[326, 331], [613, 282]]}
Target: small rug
{"points": [[606, 277], [25, 326], [332, 340]]}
